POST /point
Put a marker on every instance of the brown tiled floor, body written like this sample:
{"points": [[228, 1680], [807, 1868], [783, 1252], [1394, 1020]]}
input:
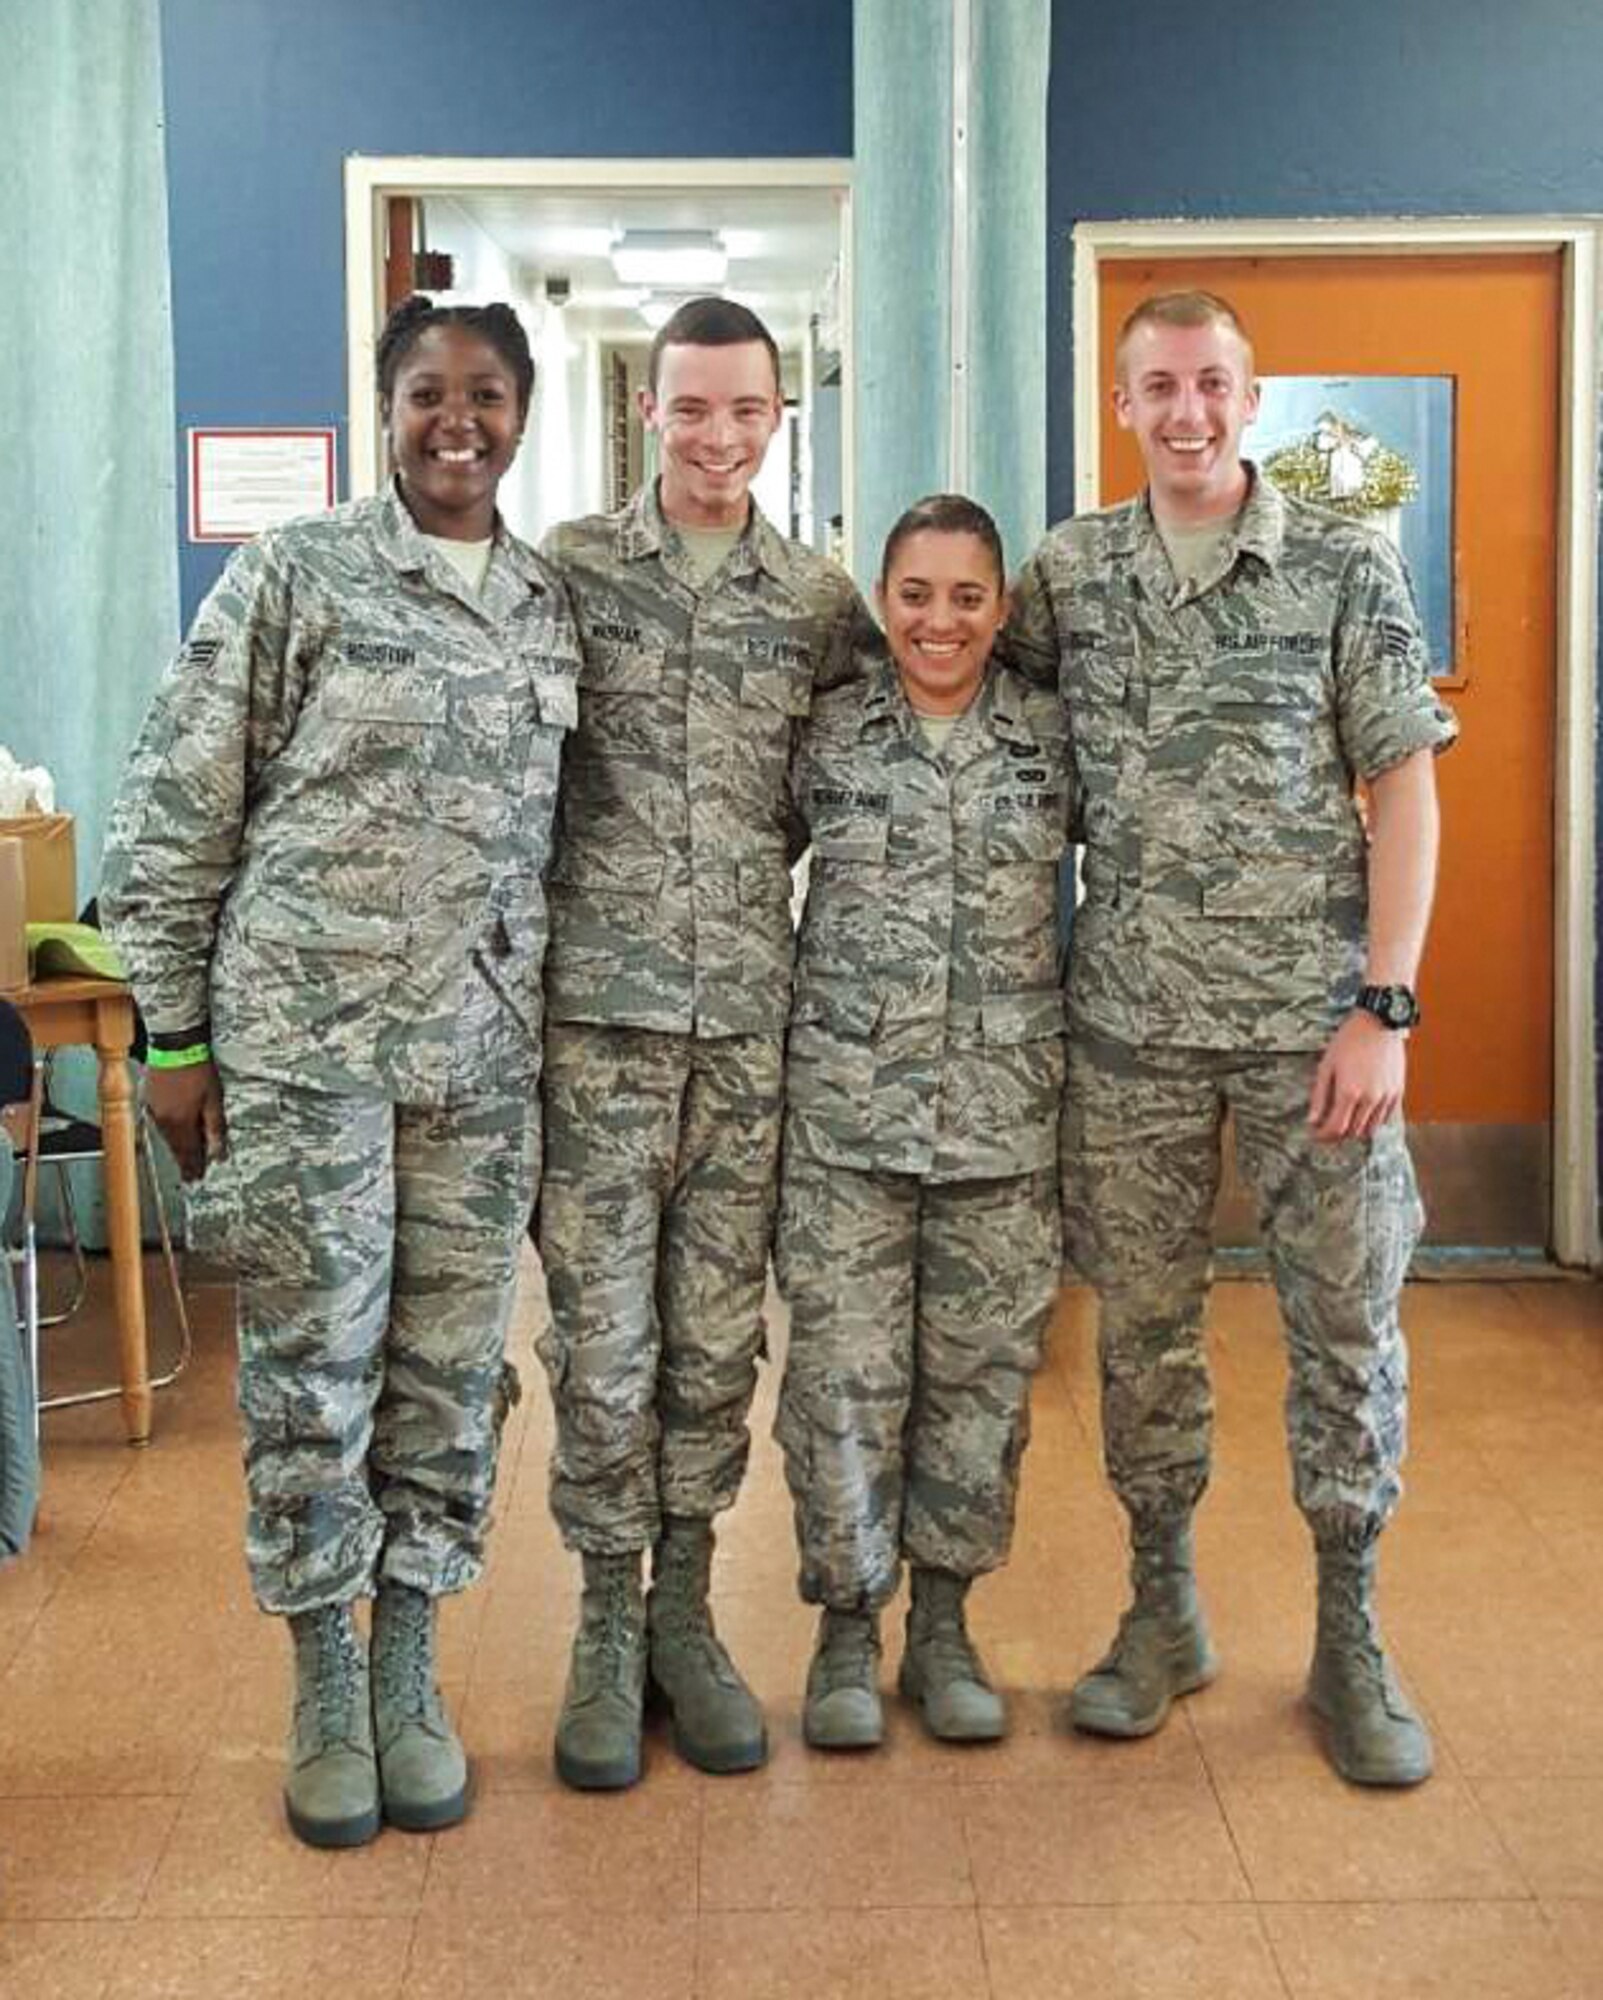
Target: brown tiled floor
{"points": [[143, 1853]]}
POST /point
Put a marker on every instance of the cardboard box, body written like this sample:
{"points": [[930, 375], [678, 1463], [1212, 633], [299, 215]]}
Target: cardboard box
{"points": [[49, 864]]}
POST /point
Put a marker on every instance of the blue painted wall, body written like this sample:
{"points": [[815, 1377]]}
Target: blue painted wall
{"points": [[1294, 107], [265, 98]]}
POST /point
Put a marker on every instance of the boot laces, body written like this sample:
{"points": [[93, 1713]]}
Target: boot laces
{"points": [[404, 1665], [848, 1653], [949, 1653], [609, 1635], [332, 1699]]}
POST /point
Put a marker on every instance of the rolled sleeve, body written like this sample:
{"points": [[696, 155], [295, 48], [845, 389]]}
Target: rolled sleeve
{"points": [[1386, 704]]}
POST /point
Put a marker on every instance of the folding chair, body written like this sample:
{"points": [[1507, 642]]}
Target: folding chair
{"points": [[54, 1138]]}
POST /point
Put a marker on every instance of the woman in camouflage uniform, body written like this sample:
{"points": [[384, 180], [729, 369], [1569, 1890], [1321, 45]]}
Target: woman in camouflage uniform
{"points": [[325, 874], [918, 1241]]}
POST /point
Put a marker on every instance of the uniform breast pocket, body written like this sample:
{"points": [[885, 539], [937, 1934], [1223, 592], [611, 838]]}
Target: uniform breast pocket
{"points": [[383, 712], [1263, 720], [556, 700], [848, 834], [379, 733], [1027, 829], [772, 698], [619, 696], [1023, 850]]}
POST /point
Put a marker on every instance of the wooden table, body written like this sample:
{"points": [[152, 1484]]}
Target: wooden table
{"points": [[99, 1014]]}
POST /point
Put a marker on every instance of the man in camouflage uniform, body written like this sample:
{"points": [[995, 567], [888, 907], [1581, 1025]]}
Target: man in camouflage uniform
{"points": [[329, 845], [919, 1246], [704, 633], [1232, 661]]}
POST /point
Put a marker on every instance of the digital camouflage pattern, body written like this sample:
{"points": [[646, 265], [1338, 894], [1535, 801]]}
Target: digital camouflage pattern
{"points": [[375, 1246], [918, 1244], [1219, 726], [927, 1029], [668, 985], [917, 1313], [670, 891], [1141, 1135], [655, 1217], [330, 840], [332, 833], [1218, 729]]}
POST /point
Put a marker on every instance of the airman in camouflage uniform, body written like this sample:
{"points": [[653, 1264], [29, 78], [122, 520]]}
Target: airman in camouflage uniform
{"points": [[704, 633], [918, 1246], [329, 845], [1232, 911]]}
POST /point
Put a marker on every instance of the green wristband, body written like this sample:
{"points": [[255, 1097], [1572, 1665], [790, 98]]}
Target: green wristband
{"points": [[197, 1052]]}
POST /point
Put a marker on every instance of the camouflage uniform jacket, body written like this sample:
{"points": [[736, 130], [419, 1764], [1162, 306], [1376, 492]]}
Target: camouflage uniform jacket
{"points": [[1218, 733], [926, 1034], [332, 833], [670, 892]]}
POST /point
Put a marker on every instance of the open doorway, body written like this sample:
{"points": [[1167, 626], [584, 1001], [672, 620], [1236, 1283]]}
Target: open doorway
{"points": [[546, 235]]}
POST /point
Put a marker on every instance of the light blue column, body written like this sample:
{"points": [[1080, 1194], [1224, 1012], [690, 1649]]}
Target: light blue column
{"points": [[88, 542], [1007, 273], [88, 533], [902, 264]]}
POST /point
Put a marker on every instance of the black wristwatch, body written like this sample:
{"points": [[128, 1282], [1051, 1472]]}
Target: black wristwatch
{"points": [[1392, 1006]]}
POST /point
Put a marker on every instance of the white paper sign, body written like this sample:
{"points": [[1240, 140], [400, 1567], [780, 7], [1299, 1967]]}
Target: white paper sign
{"points": [[242, 481]]}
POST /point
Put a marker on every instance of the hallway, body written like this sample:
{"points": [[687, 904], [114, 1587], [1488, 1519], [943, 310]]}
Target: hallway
{"points": [[143, 1850]]}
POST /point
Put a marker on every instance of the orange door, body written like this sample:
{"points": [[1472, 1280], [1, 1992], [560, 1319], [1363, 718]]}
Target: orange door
{"points": [[1481, 1067]]}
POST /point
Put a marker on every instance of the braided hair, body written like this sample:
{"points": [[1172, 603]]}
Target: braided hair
{"points": [[497, 325]]}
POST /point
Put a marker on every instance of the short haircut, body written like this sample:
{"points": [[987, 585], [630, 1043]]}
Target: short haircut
{"points": [[497, 325], [945, 514], [1181, 309], [710, 322]]}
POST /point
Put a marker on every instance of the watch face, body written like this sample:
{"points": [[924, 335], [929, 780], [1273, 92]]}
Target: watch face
{"points": [[1394, 1006]]}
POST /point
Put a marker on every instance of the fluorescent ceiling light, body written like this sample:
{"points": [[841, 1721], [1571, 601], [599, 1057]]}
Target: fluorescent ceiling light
{"points": [[657, 308], [684, 260]]}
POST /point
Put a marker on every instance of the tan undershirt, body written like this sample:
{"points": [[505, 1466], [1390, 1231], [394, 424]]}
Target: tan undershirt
{"points": [[1194, 552], [470, 560], [706, 547], [937, 728]]}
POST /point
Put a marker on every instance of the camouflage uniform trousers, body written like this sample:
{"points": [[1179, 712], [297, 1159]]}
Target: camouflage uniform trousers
{"points": [[655, 1216], [1141, 1161], [917, 1313], [375, 1246]]}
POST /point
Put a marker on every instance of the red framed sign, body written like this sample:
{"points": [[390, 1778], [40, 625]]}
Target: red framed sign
{"points": [[242, 480]]}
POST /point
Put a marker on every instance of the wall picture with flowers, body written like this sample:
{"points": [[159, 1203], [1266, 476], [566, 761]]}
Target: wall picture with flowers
{"points": [[1376, 448]]}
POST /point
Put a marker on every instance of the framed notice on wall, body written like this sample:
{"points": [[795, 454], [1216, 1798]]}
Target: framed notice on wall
{"points": [[242, 481]]}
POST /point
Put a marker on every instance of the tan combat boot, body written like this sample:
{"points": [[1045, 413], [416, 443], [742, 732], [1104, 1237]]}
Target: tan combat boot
{"points": [[941, 1671], [717, 1724], [1161, 1649], [1372, 1734], [598, 1731], [331, 1794], [842, 1710], [423, 1772]]}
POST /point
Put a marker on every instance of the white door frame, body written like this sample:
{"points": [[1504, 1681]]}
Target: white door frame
{"points": [[1579, 240], [370, 182]]}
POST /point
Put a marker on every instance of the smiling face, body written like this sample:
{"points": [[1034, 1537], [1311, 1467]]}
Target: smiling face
{"points": [[715, 409], [453, 422], [942, 603], [1187, 393]]}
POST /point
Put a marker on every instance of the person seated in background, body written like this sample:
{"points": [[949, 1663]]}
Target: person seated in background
{"points": [[918, 1238]]}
